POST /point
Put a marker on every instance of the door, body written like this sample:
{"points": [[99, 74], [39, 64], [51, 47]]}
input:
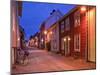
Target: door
{"points": [[62, 46], [67, 46]]}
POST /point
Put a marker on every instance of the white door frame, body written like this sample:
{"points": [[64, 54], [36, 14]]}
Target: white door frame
{"points": [[67, 43]]}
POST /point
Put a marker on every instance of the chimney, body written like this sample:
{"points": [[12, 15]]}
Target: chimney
{"points": [[52, 11]]}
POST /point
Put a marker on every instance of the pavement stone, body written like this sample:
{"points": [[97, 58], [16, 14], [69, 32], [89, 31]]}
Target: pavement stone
{"points": [[44, 61]]}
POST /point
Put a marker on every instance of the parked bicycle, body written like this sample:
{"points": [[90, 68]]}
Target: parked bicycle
{"points": [[26, 57], [22, 56]]}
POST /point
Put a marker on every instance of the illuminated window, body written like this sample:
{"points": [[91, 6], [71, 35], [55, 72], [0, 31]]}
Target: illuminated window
{"points": [[77, 18], [62, 44]]}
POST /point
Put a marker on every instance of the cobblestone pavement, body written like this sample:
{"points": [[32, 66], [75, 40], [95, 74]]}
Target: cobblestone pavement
{"points": [[44, 61]]}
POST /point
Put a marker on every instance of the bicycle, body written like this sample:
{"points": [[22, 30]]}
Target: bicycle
{"points": [[23, 57], [26, 57]]}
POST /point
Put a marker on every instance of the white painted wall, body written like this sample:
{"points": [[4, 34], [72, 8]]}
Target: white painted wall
{"points": [[55, 36], [15, 35], [91, 35]]}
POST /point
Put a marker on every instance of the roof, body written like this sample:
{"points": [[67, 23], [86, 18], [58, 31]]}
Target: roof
{"points": [[64, 16], [54, 17]]}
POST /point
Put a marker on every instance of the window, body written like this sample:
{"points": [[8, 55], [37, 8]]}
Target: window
{"points": [[55, 31], [62, 44], [77, 18], [77, 42], [62, 26], [67, 25], [55, 45], [53, 34]]}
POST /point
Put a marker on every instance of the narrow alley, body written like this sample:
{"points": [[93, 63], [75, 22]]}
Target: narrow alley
{"points": [[44, 61]]}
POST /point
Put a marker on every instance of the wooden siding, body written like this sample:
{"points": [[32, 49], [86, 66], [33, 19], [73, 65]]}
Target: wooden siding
{"points": [[76, 30]]}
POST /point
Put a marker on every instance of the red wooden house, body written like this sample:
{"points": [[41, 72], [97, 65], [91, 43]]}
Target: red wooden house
{"points": [[77, 33]]}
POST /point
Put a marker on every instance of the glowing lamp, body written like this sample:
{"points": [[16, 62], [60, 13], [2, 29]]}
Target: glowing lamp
{"points": [[45, 32], [42, 40], [83, 9], [64, 39], [18, 39], [69, 39]]}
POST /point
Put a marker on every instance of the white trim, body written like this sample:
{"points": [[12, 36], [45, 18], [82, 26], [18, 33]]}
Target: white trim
{"points": [[75, 37], [62, 44], [67, 43]]}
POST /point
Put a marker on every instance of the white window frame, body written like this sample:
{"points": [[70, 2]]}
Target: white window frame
{"points": [[62, 43], [67, 24], [77, 42], [55, 44], [77, 18]]}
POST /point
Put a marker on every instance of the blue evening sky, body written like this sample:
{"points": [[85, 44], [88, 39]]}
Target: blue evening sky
{"points": [[34, 13]]}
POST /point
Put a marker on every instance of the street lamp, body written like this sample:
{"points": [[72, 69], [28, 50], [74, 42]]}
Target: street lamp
{"points": [[45, 32]]}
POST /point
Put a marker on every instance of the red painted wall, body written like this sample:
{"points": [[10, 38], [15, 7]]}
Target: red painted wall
{"points": [[83, 31], [75, 30]]}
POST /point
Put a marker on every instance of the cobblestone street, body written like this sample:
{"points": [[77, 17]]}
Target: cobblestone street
{"points": [[44, 61]]}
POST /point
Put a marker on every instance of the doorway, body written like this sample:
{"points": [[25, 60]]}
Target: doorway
{"points": [[67, 45]]}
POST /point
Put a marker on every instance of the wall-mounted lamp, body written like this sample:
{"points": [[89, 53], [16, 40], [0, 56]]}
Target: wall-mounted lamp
{"points": [[83, 9], [64, 39], [69, 38]]}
